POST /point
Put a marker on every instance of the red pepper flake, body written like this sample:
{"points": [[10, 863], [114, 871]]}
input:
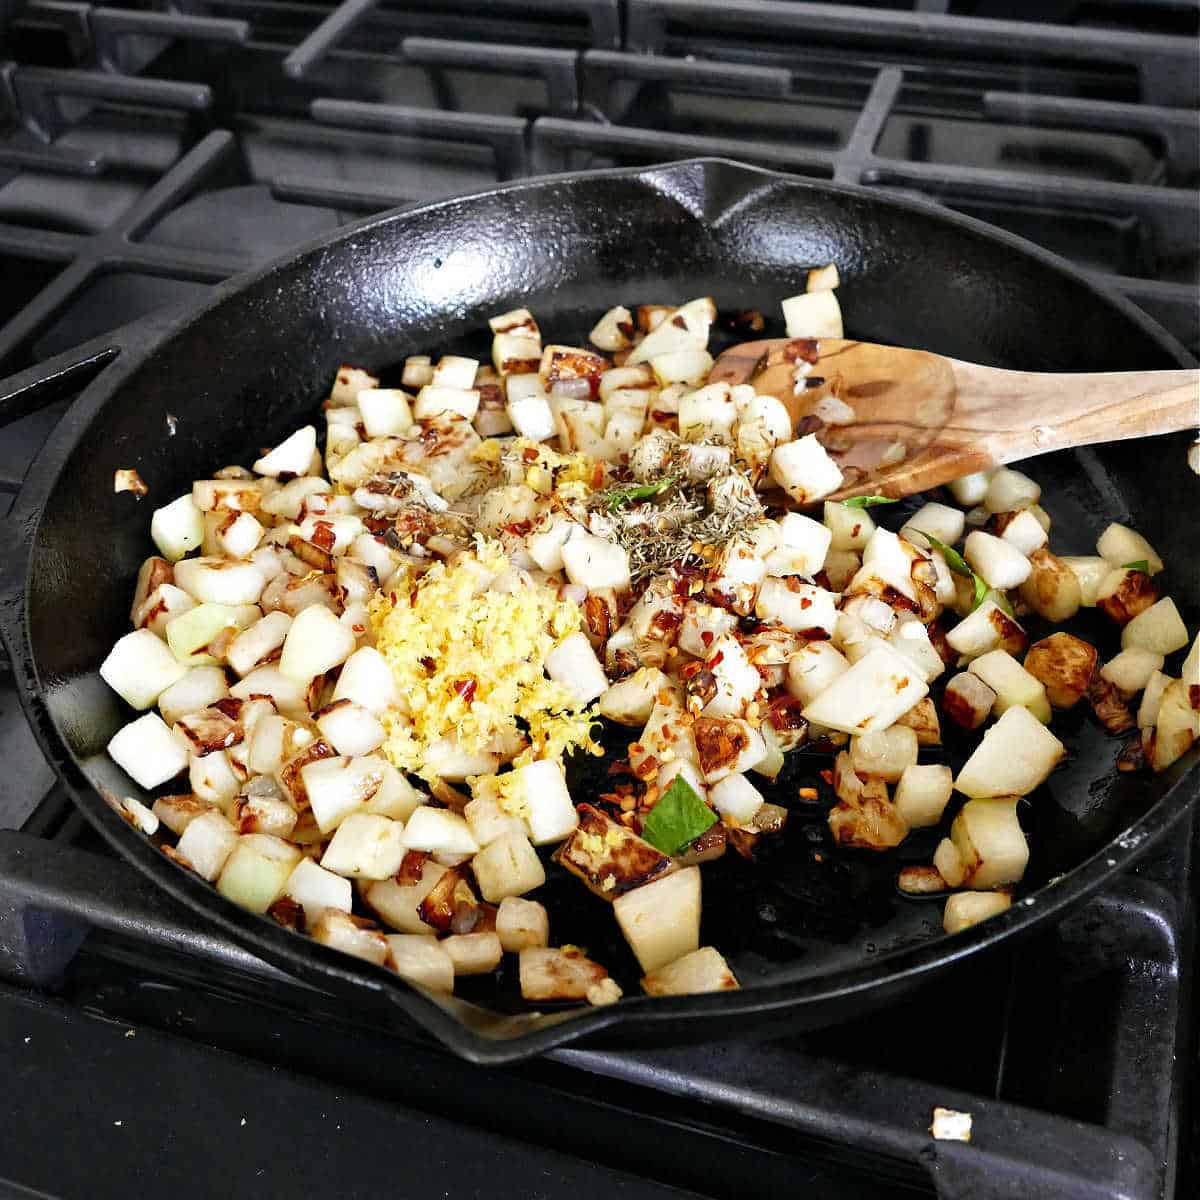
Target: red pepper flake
{"points": [[805, 602], [707, 638], [717, 659], [827, 775], [428, 662], [529, 455], [466, 690], [323, 536]]}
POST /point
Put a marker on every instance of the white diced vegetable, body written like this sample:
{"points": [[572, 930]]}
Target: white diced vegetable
{"points": [[367, 680], [1131, 670], [813, 315], [938, 520], [1091, 572], [1147, 714], [421, 961], [1159, 629], [207, 843], [507, 866], [473, 953], [434, 400], [1001, 564], [990, 842], [922, 794], [315, 642], [595, 563], [987, 628], [850, 528], [139, 668], [574, 664], [1025, 532], [438, 830], [1008, 491], [340, 931], [803, 469], [289, 695], [148, 751], [736, 797], [661, 920], [796, 606], [970, 489], [339, 787], [257, 870], [885, 754], [1053, 590], [546, 803], [969, 908], [813, 668], [869, 696], [255, 645], [177, 528], [212, 777], [823, 279], [314, 889], [1177, 726], [448, 760], [213, 580], [1016, 755], [385, 412], [349, 728], [630, 701], [1120, 545], [736, 679], [291, 456], [1012, 684], [522, 924], [703, 970], [367, 846]]}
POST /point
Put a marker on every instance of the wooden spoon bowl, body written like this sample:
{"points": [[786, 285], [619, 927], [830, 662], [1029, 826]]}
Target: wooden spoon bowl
{"points": [[920, 419]]}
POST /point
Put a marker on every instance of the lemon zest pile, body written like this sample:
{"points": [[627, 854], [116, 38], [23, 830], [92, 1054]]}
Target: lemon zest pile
{"points": [[446, 631]]}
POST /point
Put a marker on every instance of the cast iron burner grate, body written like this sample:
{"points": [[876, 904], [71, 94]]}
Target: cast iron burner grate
{"points": [[147, 153]]}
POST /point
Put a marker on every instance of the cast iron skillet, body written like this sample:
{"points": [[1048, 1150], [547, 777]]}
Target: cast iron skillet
{"points": [[814, 937]]}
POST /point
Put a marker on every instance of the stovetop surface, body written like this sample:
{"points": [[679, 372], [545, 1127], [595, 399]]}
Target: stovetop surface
{"points": [[148, 153]]}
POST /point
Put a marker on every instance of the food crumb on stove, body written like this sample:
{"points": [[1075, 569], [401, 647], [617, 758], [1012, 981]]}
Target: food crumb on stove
{"points": [[131, 1033], [118, 1123], [950, 1125], [172, 424], [128, 480], [243, 1120]]}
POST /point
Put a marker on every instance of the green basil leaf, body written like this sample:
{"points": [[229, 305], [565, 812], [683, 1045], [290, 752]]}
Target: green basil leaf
{"points": [[679, 817], [869, 501], [954, 560], [1140, 565], [644, 491]]}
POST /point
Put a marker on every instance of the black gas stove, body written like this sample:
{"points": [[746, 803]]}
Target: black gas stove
{"points": [[147, 153]]}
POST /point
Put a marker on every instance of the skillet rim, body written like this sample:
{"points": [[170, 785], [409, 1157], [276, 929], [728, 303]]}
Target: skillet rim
{"points": [[899, 969]]}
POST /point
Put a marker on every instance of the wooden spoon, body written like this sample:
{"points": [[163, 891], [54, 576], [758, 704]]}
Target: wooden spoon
{"points": [[921, 420]]}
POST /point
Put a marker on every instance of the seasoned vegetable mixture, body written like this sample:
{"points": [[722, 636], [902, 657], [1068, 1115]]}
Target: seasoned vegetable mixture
{"points": [[374, 670]]}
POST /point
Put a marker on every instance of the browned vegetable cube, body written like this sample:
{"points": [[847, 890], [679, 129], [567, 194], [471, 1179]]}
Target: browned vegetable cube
{"points": [[609, 858], [967, 700], [1064, 664], [1052, 589], [548, 974], [922, 719], [1126, 592], [1111, 710]]}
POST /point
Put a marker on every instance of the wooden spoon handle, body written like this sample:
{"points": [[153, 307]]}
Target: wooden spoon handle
{"points": [[1017, 414]]}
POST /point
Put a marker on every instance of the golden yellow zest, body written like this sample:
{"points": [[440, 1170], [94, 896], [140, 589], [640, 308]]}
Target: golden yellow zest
{"points": [[469, 661]]}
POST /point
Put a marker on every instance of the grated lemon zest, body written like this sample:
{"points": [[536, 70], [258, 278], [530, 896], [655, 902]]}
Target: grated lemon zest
{"points": [[447, 629]]}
